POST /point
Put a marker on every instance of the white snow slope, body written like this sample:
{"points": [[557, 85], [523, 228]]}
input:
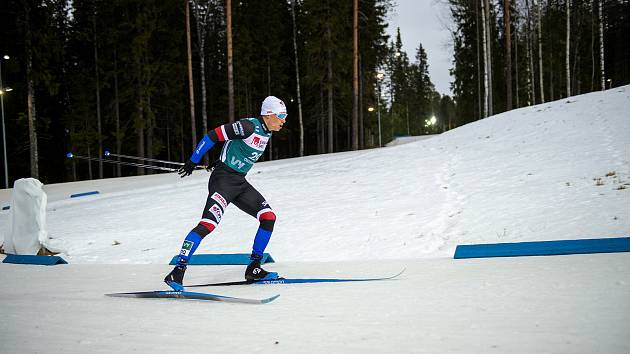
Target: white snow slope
{"points": [[554, 171]]}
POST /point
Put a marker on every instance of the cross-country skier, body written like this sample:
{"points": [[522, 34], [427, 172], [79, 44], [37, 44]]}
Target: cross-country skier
{"points": [[245, 142]]}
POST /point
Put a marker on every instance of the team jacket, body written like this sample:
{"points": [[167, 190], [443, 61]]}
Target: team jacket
{"points": [[245, 141]]}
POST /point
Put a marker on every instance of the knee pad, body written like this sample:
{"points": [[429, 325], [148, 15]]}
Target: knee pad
{"points": [[205, 227], [267, 219]]}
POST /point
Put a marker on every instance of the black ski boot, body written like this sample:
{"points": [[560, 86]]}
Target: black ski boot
{"points": [[175, 279], [254, 271]]}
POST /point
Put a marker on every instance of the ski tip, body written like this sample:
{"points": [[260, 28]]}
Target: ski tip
{"points": [[120, 295], [397, 274], [268, 300]]}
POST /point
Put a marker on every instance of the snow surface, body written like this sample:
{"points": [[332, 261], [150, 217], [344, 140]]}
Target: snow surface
{"points": [[569, 304], [554, 171]]}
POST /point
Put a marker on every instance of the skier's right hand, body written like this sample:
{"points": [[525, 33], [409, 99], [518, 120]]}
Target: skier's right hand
{"points": [[187, 169]]}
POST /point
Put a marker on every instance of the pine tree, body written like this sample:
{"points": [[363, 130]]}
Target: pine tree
{"points": [[422, 89], [508, 51], [297, 78], [191, 86]]}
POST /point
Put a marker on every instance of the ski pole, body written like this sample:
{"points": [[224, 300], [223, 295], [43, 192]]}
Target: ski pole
{"points": [[108, 153], [124, 163]]}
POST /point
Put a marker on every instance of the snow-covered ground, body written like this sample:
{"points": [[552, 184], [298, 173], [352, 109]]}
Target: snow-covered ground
{"points": [[569, 304], [559, 170]]}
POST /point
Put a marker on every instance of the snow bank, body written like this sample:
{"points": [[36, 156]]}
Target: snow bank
{"points": [[28, 218]]}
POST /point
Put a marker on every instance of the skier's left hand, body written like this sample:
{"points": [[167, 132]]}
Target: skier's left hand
{"points": [[187, 169]]}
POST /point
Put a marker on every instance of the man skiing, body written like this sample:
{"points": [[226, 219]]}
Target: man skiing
{"points": [[245, 141]]}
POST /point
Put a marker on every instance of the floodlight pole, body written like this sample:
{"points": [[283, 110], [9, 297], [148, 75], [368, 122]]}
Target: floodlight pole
{"points": [[4, 138]]}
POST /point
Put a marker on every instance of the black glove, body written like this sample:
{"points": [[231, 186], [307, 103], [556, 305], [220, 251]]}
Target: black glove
{"points": [[211, 166], [187, 169]]}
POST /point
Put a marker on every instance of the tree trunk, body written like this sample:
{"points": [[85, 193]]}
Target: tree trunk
{"points": [[191, 89], [479, 104], [74, 170], [601, 45], [531, 76], [321, 122], [391, 107], [550, 54], [329, 85], [89, 155], [528, 70], [489, 44], [30, 98], [117, 114], [140, 147], [140, 123], [361, 104], [297, 79], [517, 84], [485, 59], [168, 136], [228, 15], [150, 119], [508, 52], [181, 136], [201, 24], [98, 102], [592, 45], [576, 68], [568, 51], [355, 77], [32, 127], [540, 62], [407, 115]]}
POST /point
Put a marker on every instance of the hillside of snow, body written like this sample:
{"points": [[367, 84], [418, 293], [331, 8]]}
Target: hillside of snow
{"points": [[559, 170]]}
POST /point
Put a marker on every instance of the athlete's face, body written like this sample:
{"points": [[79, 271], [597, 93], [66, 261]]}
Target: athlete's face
{"points": [[273, 122]]}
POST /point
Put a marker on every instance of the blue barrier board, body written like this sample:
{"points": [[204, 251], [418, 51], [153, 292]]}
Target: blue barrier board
{"points": [[544, 248], [37, 260], [83, 194], [223, 259]]}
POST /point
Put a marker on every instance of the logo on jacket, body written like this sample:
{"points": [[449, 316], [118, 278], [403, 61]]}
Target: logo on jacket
{"points": [[258, 142]]}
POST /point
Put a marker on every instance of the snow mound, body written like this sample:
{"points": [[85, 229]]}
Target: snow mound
{"points": [[28, 218]]}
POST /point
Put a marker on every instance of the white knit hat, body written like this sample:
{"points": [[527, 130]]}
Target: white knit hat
{"points": [[273, 105]]}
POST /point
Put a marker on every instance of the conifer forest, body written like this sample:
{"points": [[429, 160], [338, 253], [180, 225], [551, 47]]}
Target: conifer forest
{"points": [[148, 78]]}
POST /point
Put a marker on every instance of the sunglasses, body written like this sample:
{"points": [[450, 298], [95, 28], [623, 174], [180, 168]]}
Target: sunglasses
{"points": [[282, 116]]}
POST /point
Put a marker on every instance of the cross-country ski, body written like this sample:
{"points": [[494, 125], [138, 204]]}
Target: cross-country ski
{"points": [[296, 281], [188, 295]]}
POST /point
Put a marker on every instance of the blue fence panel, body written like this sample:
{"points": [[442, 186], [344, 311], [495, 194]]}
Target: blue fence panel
{"points": [[544, 248]]}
